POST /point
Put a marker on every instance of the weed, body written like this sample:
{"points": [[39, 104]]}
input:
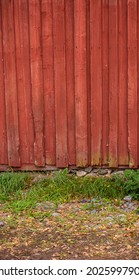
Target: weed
{"points": [[128, 183], [131, 183], [12, 222], [88, 206], [40, 215]]}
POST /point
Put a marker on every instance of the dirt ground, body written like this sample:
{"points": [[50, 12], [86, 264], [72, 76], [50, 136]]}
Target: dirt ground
{"points": [[72, 231]]}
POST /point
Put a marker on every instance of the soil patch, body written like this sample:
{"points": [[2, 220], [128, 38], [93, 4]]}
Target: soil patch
{"points": [[77, 230]]}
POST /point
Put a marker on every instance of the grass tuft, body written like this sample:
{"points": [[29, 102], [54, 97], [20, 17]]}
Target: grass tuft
{"points": [[11, 183], [20, 193]]}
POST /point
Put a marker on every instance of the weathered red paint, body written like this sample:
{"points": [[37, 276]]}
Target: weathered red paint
{"points": [[96, 80], [48, 81], [105, 83], [37, 80], [80, 56], [69, 35], [60, 83], [3, 143], [10, 85], [138, 87], [123, 85], [69, 83], [132, 82], [113, 83], [26, 130], [88, 83]]}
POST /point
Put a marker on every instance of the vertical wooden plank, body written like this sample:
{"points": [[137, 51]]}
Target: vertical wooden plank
{"points": [[48, 75], [24, 81], [60, 83], [138, 83], [37, 80], [132, 82], [88, 81], [3, 140], [113, 82], [96, 81], [123, 62], [69, 20], [105, 83], [80, 56], [10, 83]]}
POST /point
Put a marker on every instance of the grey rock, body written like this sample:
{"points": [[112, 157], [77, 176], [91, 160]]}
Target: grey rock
{"points": [[102, 171], [76, 209], [56, 214], [128, 198], [110, 171], [73, 171], [94, 200], [130, 205], [74, 168], [81, 173], [88, 169], [38, 204], [136, 224], [1, 224], [95, 170], [118, 172], [135, 207], [96, 204], [49, 203], [124, 206], [128, 210], [51, 168], [127, 204], [91, 174], [84, 200], [110, 224], [45, 205], [94, 211], [122, 218], [97, 226], [109, 218]]}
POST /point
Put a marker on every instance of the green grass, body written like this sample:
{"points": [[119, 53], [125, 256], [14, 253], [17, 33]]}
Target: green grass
{"points": [[11, 183], [19, 193]]}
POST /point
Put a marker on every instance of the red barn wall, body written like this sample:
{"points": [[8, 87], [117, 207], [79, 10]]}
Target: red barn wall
{"points": [[69, 83]]}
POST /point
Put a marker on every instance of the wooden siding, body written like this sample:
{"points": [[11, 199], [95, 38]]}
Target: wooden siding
{"points": [[69, 83]]}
